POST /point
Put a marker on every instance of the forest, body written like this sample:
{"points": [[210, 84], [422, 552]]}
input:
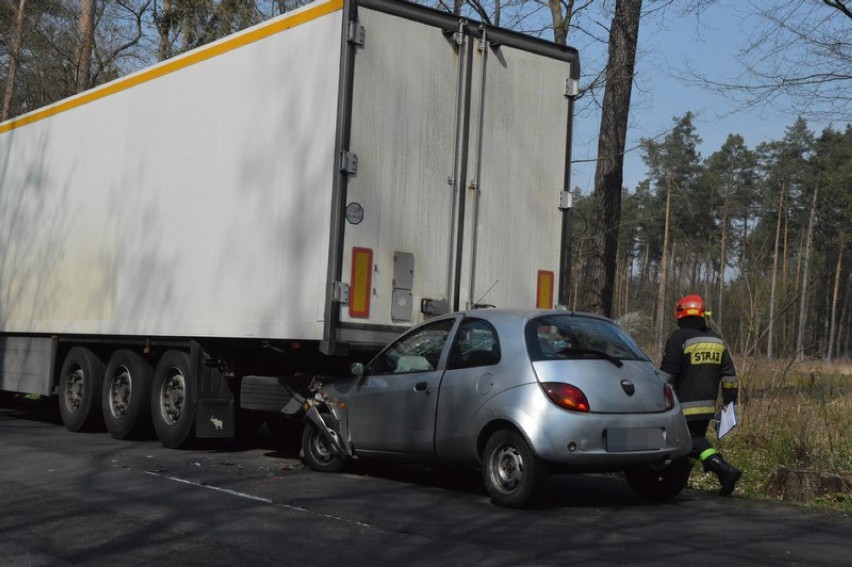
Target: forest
{"points": [[761, 233]]}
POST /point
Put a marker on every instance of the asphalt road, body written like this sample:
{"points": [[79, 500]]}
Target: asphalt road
{"points": [[87, 499]]}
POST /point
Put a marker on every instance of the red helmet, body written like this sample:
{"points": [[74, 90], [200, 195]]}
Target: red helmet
{"points": [[690, 306]]}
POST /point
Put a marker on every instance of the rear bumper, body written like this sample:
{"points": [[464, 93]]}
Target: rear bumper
{"points": [[596, 441], [588, 440]]}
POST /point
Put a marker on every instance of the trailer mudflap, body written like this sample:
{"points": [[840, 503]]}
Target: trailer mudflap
{"points": [[215, 408], [214, 419]]}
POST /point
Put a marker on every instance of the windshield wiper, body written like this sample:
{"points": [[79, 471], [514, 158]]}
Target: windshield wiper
{"points": [[593, 352]]}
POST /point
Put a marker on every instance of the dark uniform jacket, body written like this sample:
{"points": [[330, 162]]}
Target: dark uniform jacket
{"points": [[696, 361]]}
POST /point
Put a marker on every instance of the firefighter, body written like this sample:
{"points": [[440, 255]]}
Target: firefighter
{"points": [[696, 362]]}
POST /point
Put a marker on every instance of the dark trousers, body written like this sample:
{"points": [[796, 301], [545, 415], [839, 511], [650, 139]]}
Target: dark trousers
{"points": [[698, 432]]}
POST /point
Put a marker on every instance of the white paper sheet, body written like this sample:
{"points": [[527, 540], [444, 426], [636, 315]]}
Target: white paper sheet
{"points": [[727, 420]]}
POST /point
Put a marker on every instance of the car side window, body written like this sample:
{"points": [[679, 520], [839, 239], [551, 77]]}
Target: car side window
{"points": [[419, 351], [476, 344]]}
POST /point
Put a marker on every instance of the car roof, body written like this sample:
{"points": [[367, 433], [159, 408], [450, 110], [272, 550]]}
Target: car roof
{"points": [[505, 314]]}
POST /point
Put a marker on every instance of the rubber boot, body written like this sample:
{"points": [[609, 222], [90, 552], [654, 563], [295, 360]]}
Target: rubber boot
{"points": [[728, 474]]}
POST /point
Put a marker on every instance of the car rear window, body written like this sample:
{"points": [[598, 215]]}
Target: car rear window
{"points": [[554, 337]]}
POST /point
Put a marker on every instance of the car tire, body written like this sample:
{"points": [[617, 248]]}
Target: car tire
{"points": [[318, 454], [79, 390], [173, 400], [659, 483], [126, 396], [512, 475]]}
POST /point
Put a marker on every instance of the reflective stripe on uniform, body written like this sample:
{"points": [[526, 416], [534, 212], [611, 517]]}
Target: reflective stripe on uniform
{"points": [[704, 350], [699, 407]]}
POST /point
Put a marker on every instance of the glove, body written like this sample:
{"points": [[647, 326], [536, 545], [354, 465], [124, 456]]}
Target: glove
{"points": [[729, 396]]}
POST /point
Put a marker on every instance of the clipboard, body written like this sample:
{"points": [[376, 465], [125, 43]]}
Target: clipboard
{"points": [[727, 420]]}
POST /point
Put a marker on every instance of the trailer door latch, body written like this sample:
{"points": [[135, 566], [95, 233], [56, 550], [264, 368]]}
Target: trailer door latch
{"points": [[340, 292], [348, 162], [355, 33]]}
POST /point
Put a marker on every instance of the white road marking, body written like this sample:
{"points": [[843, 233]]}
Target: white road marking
{"points": [[258, 499]]}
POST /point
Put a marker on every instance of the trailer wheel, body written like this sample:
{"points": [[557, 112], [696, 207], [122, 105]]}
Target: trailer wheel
{"points": [[173, 400], [80, 389], [512, 475], [318, 454], [126, 395]]}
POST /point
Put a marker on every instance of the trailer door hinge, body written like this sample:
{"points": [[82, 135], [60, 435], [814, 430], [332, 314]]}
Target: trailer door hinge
{"points": [[355, 33], [348, 162], [340, 292]]}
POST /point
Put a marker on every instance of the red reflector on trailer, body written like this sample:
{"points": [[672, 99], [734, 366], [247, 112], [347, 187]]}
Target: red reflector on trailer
{"points": [[360, 285], [544, 291]]}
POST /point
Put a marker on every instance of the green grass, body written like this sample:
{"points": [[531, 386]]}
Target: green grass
{"points": [[798, 416]]}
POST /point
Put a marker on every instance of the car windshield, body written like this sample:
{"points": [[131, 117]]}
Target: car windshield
{"points": [[554, 337]]}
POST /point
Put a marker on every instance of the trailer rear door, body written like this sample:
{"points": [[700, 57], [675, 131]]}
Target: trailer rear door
{"points": [[460, 147]]}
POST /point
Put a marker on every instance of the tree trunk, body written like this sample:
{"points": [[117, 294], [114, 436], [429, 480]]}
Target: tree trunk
{"points": [[806, 265], [661, 289], [832, 329], [609, 173], [164, 29], [561, 19], [785, 283], [843, 340], [14, 52], [717, 312], [774, 283], [86, 31], [628, 279]]}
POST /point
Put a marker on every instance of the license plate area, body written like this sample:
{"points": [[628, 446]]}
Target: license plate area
{"points": [[622, 439]]}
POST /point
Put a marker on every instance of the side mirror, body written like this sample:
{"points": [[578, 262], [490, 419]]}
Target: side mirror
{"points": [[357, 369]]}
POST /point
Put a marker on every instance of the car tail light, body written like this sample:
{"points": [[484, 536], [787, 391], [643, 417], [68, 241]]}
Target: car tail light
{"points": [[669, 396], [566, 396]]}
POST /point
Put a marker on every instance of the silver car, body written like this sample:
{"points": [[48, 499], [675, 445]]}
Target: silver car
{"points": [[519, 394]]}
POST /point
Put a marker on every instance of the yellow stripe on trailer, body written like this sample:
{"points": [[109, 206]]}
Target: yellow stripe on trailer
{"points": [[169, 66]]}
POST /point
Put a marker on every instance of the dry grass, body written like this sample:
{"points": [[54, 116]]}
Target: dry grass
{"points": [[797, 416]]}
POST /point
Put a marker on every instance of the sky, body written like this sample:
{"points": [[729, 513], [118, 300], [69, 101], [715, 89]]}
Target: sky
{"points": [[667, 49]]}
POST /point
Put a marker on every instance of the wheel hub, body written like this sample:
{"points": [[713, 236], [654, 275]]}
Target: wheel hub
{"points": [[171, 397], [74, 390], [509, 469], [119, 393]]}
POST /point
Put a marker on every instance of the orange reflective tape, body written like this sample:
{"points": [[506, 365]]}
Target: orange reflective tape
{"points": [[544, 291], [360, 285]]}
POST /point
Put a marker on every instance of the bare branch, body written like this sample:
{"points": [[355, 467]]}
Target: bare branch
{"points": [[837, 4]]}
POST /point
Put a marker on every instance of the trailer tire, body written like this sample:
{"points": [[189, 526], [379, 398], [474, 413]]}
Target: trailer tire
{"points": [[173, 399], [126, 395], [319, 456], [79, 390]]}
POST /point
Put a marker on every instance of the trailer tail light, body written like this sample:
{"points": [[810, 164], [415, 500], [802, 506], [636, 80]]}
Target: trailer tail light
{"points": [[544, 290], [361, 282]]}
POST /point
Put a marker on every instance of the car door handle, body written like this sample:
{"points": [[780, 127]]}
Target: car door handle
{"points": [[420, 386]]}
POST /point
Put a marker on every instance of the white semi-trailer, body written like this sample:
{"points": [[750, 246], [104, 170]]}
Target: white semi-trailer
{"points": [[280, 201]]}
